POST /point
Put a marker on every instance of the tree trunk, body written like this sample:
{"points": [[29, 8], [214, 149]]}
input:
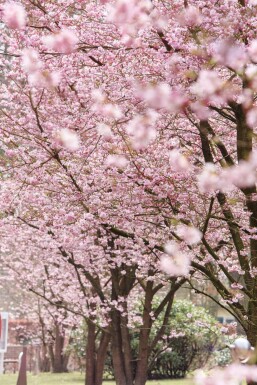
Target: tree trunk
{"points": [[44, 359], [59, 361], [117, 351], [90, 354], [142, 363], [101, 356]]}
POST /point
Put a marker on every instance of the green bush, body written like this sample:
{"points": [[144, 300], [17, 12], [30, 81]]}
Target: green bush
{"points": [[191, 336]]}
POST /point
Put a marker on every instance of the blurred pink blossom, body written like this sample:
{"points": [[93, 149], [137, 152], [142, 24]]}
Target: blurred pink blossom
{"points": [[178, 161], [119, 161], [69, 139], [44, 79], [14, 15], [62, 42], [191, 235], [30, 60], [176, 263]]}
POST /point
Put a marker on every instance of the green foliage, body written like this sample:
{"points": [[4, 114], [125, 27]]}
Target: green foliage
{"points": [[77, 345], [190, 337]]}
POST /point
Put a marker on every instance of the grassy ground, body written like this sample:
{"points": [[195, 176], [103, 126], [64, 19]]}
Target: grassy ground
{"points": [[72, 378]]}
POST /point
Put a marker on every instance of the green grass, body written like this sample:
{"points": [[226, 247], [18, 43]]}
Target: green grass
{"points": [[73, 378]]}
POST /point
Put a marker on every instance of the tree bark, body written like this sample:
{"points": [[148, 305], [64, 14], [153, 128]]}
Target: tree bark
{"points": [[90, 354], [101, 356], [142, 363], [117, 353]]}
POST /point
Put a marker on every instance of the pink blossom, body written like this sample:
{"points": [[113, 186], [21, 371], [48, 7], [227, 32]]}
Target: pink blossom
{"points": [[207, 84], [252, 50], [130, 16], [104, 130], [191, 235], [231, 55], [141, 129], [176, 263], [191, 17], [236, 285], [242, 175], [231, 375], [178, 161], [45, 79], [69, 139], [162, 96], [30, 60], [14, 15], [62, 42], [118, 161], [208, 180], [252, 117], [111, 111]]}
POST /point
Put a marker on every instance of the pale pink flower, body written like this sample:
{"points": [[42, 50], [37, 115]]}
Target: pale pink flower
{"points": [[191, 235], [104, 130], [231, 375], [236, 285], [231, 55], [251, 70], [191, 17], [62, 42], [252, 50], [178, 161], [176, 263], [207, 84], [162, 96], [69, 139], [209, 180], [45, 79], [30, 60], [111, 111], [242, 175], [98, 96], [118, 161], [141, 129], [130, 15], [14, 15], [252, 117], [157, 96]]}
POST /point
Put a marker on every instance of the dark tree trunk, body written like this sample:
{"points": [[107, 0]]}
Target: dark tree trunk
{"points": [[117, 351], [44, 363], [142, 362], [101, 356], [90, 354]]}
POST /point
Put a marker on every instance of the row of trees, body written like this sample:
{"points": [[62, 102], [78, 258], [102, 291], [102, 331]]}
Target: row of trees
{"points": [[127, 134]]}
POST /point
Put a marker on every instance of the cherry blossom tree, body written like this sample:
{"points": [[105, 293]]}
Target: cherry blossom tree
{"points": [[128, 133]]}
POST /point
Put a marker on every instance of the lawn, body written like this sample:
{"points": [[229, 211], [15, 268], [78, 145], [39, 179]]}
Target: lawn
{"points": [[73, 378]]}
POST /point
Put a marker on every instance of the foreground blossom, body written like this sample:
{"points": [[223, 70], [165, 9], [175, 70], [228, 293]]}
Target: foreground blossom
{"points": [[14, 15], [191, 235], [176, 263], [232, 375], [62, 42], [31, 61], [69, 139]]}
